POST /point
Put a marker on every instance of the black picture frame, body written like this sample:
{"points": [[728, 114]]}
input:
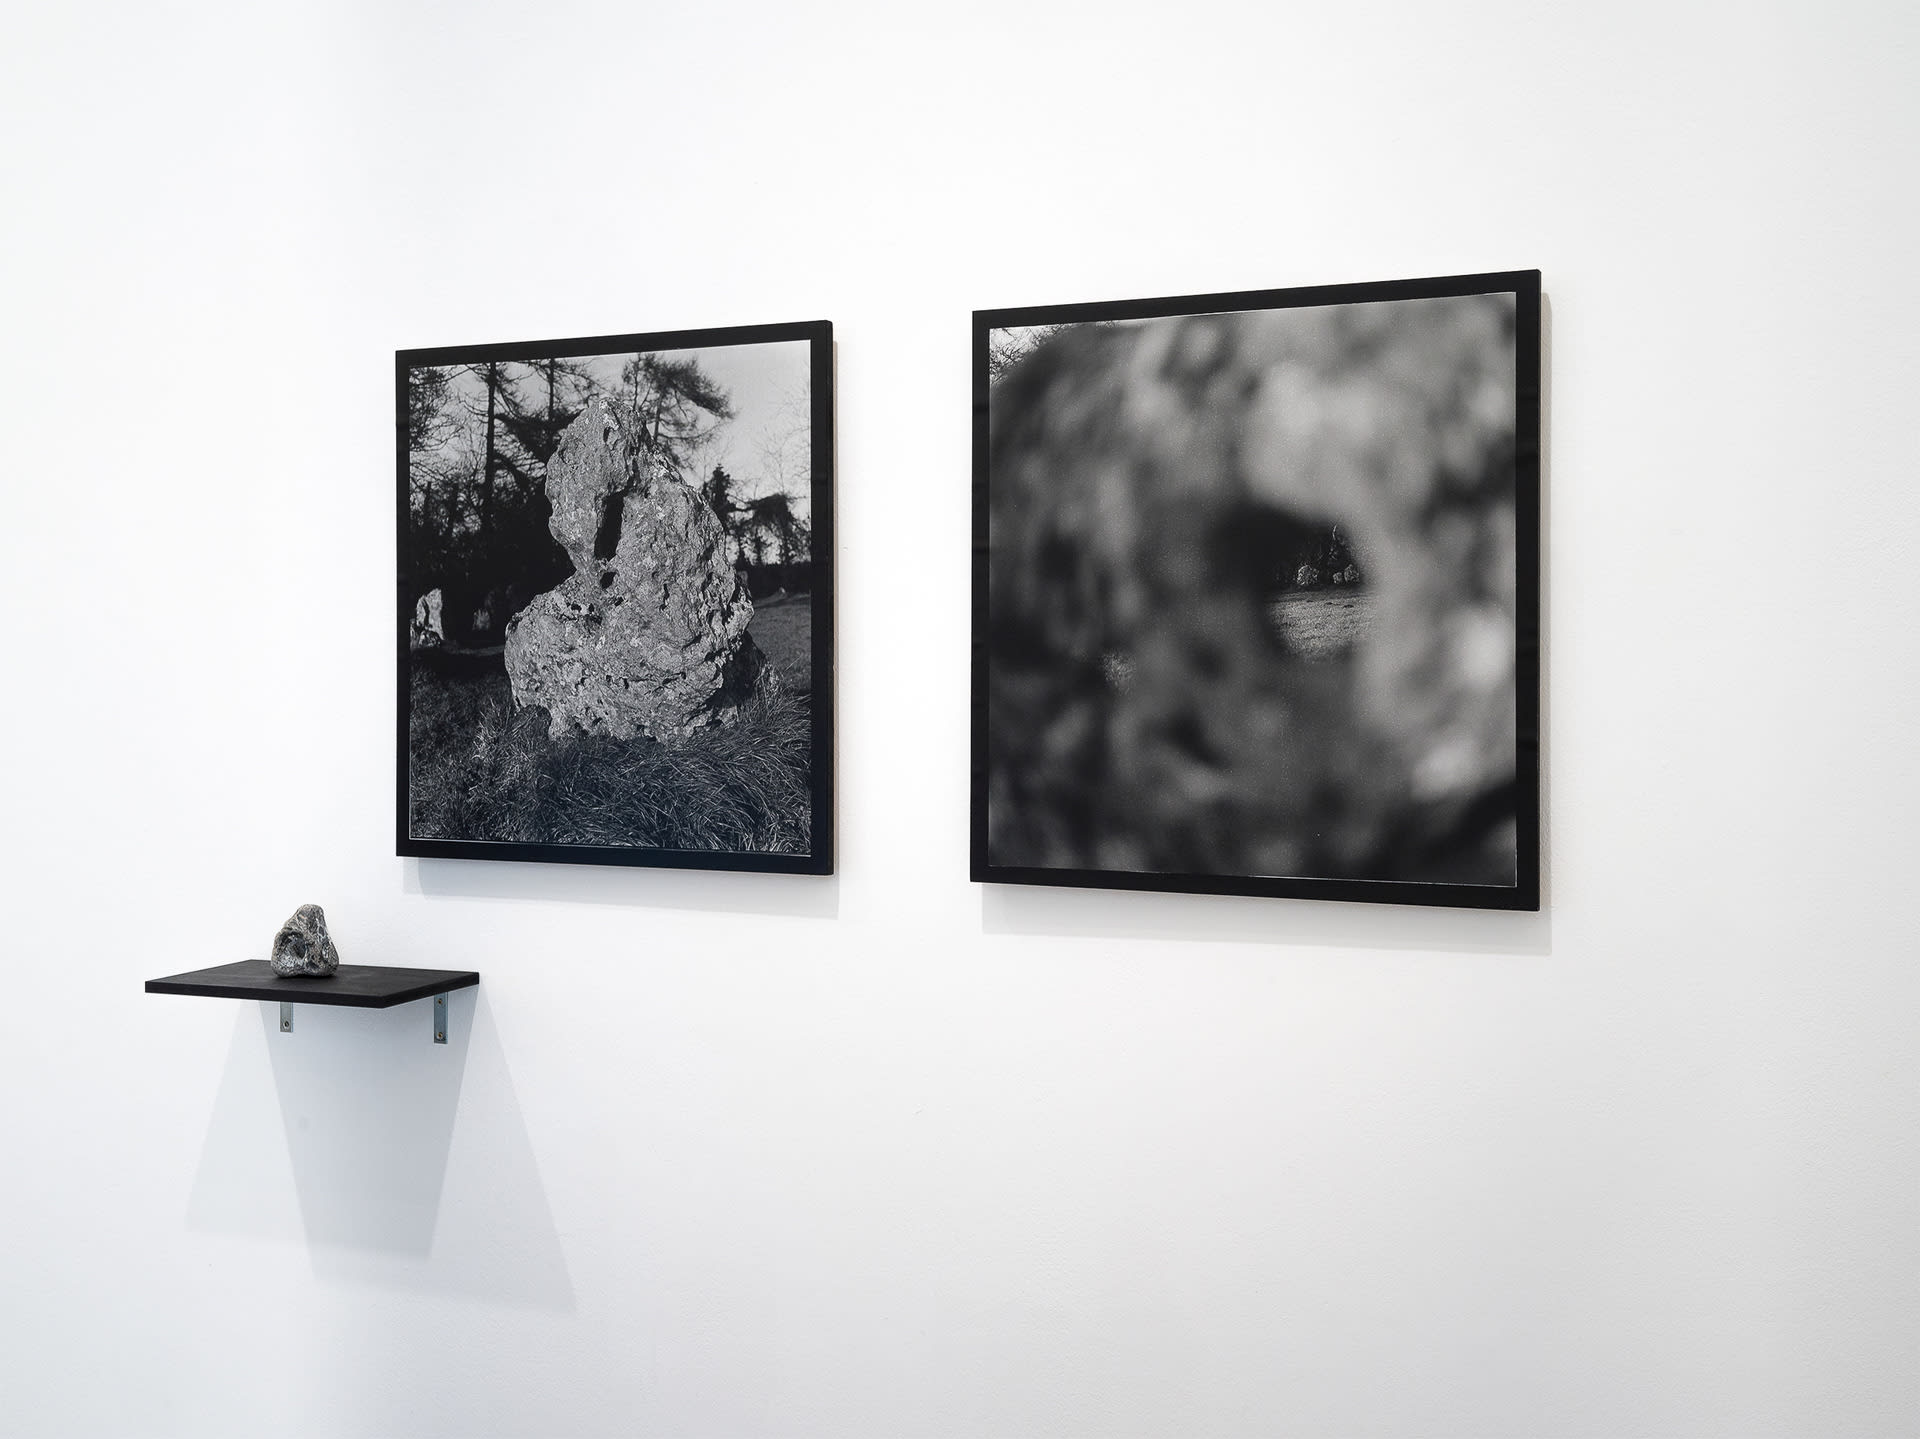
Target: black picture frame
{"points": [[816, 854], [1043, 422]]}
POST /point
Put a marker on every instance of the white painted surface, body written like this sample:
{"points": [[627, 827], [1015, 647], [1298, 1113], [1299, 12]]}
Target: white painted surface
{"points": [[887, 1155]]}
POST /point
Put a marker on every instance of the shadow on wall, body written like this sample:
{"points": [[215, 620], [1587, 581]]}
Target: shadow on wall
{"points": [[801, 896], [1235, 919], [395, 1160]]}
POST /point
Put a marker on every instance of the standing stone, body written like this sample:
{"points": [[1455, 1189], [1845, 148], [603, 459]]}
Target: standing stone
{"points": [[648, 635], [429, 632], [303, 947]]}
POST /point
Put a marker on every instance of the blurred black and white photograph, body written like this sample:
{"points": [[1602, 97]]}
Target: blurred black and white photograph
{"points": [[1256, 593], [616, 590]]}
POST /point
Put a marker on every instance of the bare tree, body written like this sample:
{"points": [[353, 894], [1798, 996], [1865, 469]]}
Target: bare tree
{"points": [[670, 410], [1008, 347]]}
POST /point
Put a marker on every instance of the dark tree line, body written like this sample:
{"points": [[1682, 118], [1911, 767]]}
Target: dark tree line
{"points": [[767, 527], [479, 438]]}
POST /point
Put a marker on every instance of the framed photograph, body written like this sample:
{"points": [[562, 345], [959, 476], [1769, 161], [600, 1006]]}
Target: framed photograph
{"points": [[1256, 593], [616, 599]]}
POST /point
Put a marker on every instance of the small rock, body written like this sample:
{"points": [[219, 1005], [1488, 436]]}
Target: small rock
{"points": [[303, 946], [1306, 577]]}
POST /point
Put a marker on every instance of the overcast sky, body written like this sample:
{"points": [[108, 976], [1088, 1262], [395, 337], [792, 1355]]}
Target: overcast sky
{"points": [[769, 387]]}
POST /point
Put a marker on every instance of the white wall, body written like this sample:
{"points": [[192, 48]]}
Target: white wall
{"points": [[889, 1154]]}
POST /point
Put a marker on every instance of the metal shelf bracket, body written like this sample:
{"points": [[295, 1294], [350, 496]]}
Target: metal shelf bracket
{"points": [[439, 1018]]}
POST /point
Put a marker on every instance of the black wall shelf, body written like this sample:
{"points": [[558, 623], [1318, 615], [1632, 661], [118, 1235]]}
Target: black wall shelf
{"points": [[356, 986]]}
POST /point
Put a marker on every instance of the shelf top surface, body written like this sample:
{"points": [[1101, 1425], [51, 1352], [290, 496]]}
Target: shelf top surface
{"points": [[363, 986]]}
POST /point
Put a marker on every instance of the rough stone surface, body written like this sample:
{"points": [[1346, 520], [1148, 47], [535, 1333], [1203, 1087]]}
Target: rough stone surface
{"points": [[1306, 577], [1142, 480], [648, 635], [303, 947], [428, 630]]}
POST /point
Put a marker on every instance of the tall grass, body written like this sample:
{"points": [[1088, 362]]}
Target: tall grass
{"points": [[479, 770]]}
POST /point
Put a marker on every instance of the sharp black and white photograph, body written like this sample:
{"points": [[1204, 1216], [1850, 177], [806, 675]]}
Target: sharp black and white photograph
{"points": [[1256, 593], [616, 590]]}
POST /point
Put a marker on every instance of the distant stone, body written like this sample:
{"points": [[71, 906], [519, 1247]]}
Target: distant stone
{"points": [[303, 947], [1349, 576], [428, 631], [648, 636], [1306, 577], [491, 615]]}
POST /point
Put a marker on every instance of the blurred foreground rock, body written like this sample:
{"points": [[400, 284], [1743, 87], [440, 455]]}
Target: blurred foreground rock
{"points": [[1143, 479], [648, 635], [303, 947]]}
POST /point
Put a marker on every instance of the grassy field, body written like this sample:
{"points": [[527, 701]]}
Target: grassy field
{"points": [[481, 770], [783, 629], [1323, 624]]}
